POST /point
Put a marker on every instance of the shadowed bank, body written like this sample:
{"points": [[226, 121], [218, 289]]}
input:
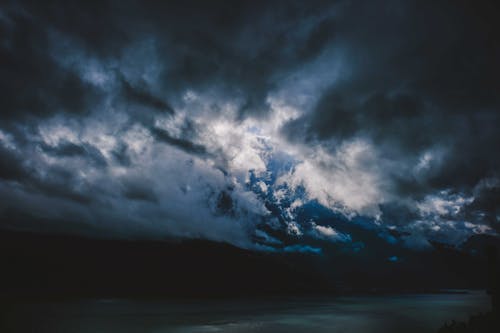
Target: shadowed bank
{"points": [[483, 322], [71, 284]]}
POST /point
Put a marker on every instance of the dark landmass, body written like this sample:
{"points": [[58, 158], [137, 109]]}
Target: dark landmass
{"points": [[55, 266], [488, 322], [38, 265], [481, 323]]}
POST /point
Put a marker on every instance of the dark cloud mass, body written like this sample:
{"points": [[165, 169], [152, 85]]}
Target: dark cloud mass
{"points": [[276, 125]]}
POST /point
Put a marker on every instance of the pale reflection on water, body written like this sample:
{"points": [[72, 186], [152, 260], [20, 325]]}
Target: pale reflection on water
{"points": [[404, 313]]}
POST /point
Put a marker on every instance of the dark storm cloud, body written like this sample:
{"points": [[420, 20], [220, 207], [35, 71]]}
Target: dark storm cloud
{"points": [[424, 75], [57, 180], [183, 144], [11, 165], [486, 206], [70, 149], [142, 96], [33, 83], [60, 182], [138, 189], [239, 47], [121, 155], [109, 80]]}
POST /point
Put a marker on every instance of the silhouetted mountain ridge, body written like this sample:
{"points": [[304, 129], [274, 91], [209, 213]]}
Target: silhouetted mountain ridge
{"points": [[48, 265], [59, 265]]}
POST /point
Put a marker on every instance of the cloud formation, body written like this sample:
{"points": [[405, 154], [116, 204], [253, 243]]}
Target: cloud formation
{"points": [[246, 123]]}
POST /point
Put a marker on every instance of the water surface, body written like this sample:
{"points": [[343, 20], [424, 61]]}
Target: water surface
{"points": [[402, 313]]}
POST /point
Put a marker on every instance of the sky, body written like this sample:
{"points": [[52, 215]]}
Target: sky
{"points": [[283, 126]]}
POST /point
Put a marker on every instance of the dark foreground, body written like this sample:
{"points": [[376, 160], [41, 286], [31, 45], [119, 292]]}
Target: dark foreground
{"points": [[403, 313], [40, 266]]}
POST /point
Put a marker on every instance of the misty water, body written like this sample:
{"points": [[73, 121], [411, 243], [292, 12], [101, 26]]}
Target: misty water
{"points": [[401, 313]]}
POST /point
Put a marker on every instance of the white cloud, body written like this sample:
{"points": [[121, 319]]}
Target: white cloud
{"points": [[329, 233], [347, 180], [293, 229], [444, 203]]}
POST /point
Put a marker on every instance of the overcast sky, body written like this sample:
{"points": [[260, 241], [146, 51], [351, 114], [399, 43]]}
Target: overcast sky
{"points": [[272, 125]]}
